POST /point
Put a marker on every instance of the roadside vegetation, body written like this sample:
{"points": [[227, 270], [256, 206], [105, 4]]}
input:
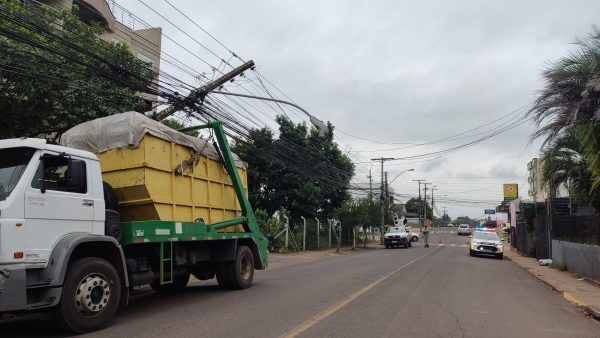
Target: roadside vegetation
{"points": [[567, 113]]}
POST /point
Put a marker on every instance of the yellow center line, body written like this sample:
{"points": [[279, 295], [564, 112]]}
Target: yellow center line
{"points": [[331, 310]]}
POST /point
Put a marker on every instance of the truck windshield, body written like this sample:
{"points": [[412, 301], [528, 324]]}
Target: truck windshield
{"points": [[13, 162]]}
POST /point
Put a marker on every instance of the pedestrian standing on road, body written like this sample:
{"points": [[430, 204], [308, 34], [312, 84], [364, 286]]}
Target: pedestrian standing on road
{"points": [[425, 231]]}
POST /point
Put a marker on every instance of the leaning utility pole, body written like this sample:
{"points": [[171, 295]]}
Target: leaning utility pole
{"points": [[382, 160], [198, 95], [419, 181]]}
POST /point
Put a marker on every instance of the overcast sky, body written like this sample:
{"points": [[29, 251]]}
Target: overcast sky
{"points": [[397, 72]]}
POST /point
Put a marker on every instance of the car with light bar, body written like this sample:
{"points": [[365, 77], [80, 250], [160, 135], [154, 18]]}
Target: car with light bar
{"points": [[486, 243], [397, 236]]}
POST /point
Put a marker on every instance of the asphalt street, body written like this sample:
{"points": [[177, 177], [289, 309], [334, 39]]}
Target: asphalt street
{"points": [[422, 292]]}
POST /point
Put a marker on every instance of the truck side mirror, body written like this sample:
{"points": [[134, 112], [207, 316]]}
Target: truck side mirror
{"points": [[76, 176]]}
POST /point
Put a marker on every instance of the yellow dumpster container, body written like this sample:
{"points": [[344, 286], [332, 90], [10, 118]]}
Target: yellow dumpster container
{"points": [[163, 175]]}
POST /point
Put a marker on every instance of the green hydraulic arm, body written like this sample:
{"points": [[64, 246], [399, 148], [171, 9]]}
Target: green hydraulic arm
{"points": [[248, 219]]}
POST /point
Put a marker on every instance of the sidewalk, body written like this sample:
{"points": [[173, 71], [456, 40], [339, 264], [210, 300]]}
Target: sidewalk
{"points": [[579, 292]]}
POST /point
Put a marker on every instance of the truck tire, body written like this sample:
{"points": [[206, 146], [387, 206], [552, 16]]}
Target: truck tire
{"points": [[90, 295], [111, 201], [112, 224], [415, 238], [242, 271], [238, 274]]}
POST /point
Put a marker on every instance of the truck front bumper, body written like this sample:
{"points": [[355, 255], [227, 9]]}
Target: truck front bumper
{"points": [[396, 241], [13, 292]]}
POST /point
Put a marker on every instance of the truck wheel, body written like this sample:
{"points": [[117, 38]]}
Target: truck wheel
{"points": [[90, 295], [415, 238], [111, 200], [238, 274], [242, 272]]}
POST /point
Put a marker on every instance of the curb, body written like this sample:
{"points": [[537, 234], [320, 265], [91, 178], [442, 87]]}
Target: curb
{"points": [[566, 295], [593, 311]]}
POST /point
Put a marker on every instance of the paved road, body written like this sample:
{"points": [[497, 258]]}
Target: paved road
{"points": [[439, 291]]}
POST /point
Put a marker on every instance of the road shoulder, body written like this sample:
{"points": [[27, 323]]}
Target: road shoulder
{"points": [[579, 292]]}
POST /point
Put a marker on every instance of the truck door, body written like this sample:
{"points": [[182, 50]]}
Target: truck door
{"points": [[57, 202]]}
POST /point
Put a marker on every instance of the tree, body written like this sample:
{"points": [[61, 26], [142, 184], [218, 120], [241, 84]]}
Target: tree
{"points": [[56, 72], [444, 220], [415, 205], [465, 220], [562, 161], [300, 170], [174, 124], [570, 100], [360, 212]]}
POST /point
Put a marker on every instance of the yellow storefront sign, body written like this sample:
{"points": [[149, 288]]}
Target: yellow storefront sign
{"points": [[511, 191]]}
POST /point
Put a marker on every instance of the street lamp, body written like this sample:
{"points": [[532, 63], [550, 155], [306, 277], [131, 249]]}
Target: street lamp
{"points": [[321, 126], [399, 175]]}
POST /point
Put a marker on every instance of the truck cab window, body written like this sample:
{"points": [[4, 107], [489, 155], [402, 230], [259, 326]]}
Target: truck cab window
{"points": [[55, 172], [13, 162]]}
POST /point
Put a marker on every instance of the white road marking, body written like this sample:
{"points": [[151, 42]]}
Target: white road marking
{"points": [[331, 310]]}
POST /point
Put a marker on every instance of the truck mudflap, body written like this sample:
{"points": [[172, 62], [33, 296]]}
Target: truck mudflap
{"points": [[13, 293]]}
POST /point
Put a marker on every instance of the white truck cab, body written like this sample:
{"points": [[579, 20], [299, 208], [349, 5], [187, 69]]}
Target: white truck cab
{"points": [[52, 213], [46, 192]]}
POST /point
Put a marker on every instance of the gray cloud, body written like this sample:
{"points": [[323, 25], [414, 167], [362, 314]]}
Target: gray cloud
{"points": [[401, 71]]}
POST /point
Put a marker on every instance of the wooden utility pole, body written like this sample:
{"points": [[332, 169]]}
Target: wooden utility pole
{"points": [[198, 95]]}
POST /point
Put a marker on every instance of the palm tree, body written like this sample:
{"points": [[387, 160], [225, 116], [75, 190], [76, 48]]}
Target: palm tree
{"points": [[562, 162], [572, 91], [569, 101]]}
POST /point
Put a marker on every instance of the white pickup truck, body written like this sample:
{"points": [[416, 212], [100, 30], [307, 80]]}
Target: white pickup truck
{"points": [[397, 236]]}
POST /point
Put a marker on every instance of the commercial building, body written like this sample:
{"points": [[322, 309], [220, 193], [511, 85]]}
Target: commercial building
{"points": [[538, 191]]}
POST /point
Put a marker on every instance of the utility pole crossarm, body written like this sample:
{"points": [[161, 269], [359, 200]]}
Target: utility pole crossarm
{"points": [[200, 93]]}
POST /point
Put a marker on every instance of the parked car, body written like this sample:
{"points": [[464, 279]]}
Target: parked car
{"points": [[485, 243], [396, 236], [414, 235], [464, 229]]}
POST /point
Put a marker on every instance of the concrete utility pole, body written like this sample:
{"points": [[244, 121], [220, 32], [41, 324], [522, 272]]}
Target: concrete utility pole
{"points": [[198, 95], [382, 160], [432, 202], [425, 204], [387, 194], [419, 182]]}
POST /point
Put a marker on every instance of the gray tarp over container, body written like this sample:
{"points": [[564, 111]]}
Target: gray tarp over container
{"points": [[127, 130]]}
